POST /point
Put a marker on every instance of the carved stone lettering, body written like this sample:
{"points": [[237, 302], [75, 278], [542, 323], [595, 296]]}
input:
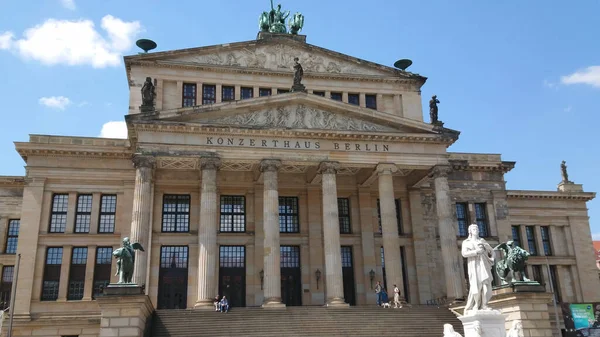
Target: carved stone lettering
{"points": [[299, 117]]}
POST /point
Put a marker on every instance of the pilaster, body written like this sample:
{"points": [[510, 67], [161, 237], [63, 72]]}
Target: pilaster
{"points": [[65, 267], [140, 215], [88, 287], [95, 214], [367, 242], [3, 233]]}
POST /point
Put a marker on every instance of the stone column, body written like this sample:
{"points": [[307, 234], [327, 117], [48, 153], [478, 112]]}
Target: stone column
{"points": [[207, 234], [331, 235], [389, 228], [447, 232], [140, 216], [272, 255]]}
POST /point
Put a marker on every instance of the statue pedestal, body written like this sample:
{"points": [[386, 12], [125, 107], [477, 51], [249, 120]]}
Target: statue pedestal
{"points": [[268, 35], [125, 311], [488, 323], [527, 302], [569, 187], [147, 109], [298, 87]]}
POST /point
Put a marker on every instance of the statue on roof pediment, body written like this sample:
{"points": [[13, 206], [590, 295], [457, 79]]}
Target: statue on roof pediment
{"points": [[299, 117]]}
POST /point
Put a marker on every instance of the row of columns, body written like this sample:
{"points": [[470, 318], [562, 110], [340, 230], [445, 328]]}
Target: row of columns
{"points": [[207, 233]]}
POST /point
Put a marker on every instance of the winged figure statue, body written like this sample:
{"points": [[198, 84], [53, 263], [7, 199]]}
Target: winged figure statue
{"points": [[126, 259]]}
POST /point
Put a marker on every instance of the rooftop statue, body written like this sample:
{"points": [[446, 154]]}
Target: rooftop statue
{"points": [[563, 172], [433, 109], [298, 73], [148, 95], [513, 262], [125, 260], [274, 21], [480, 258]]}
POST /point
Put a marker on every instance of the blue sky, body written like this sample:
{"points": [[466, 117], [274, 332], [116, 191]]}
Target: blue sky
{"points": [[520, 78]]}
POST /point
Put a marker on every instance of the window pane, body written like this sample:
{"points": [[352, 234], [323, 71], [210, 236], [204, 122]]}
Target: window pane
{"points": [[516, 236], [77, 274], [346, 256], [228, 93], [290, 256], [462, 218], [344, 215], [83, 213], [189, 94], [108, 210], [319, 93], [545, 231], [264, 92], [247, 93], [176, 213], [232, 256], [481, 218], [58, 217], [173, 257], [336, 96], [209, 94], [530, 231], [288, 215], [7, 274], [13, 236], [52, 274], [102, 269], [371, 101], [354, 99]]}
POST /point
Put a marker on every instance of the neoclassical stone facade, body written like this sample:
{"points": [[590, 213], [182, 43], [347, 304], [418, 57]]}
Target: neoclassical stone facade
{"points": [[233, 185]]}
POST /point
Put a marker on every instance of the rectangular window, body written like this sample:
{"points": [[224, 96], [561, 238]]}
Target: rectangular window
{"points": [[290, 256], [52, 274], [176, 213], [336, 96], [383, 268], [108, 211], [346, 256], [174, 257], [319, 93], [232, 256], [233, 213], [189, 94], [530, 231], [83, 213], [545, 231], [516, 236], [344, 215], [555, 285], [6, 286], [102, 269], [462, 217], [481, 218], [283, 91], [209, 94], [58, 217], [288, 215], [398, 216], [227, 93], [264, 92], [13, 236], [77, 274], [371, 101], [537, 274], [247, 93], [354, 99]]}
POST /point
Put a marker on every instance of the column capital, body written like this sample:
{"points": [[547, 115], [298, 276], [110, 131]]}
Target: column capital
{"points": [[140, 160], [440, 171], [270, 165], [210, 163], [386, 168], [329, 167]]}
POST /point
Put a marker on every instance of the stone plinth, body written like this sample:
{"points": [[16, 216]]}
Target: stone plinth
{"points": [[569, 187], [125, 311], [488, 323], [527, 303], [269, 35]]}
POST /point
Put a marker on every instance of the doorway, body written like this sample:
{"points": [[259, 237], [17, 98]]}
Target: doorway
{"points": [[291, 282], [232, 274], [348, 275], [173, 276]]}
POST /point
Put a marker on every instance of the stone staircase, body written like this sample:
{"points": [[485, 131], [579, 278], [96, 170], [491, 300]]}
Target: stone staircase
{"points": [[418, 321]]}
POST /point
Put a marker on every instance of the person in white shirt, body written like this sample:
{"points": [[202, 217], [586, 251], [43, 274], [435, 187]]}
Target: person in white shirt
{"points": [[397, 303]]}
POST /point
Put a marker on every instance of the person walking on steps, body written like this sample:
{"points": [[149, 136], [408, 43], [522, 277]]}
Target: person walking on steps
{"points": [[378, 292], [397, 303]]}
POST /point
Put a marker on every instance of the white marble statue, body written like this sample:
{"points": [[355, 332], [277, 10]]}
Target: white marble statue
{"points": [[480, 259], [516, 330], [449, 331]]}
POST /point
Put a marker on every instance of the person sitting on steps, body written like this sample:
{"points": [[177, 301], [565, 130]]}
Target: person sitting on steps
{"points": [[217, 303], [224, 304]]}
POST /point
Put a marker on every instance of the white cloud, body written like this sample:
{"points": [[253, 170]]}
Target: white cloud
{"points": [[596, 236], [55, 102], [589, 75], [6, 40], [114, 129], [75, 42], [68, 4]]}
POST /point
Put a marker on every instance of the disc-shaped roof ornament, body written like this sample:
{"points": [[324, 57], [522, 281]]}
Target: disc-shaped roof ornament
{"points": [[402, 64], [145, 44]]}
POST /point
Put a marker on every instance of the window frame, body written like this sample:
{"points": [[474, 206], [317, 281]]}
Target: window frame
{"points": [[176, 213], [77, 274], [264, 90], [533, 251], [102, 271], [319, 93], [341, 96], [463, 230], [6, 286], [10, 236], [62, 213], [223, 96], [193, 98], [484, 226], [289, 215], [85, 213], [344, 216], [51, 274], [351, 97], [207, 96], [102, 213], [245, 90], [229, 256], [546, 240], [369, 97], [516, 229], [232, 215]]}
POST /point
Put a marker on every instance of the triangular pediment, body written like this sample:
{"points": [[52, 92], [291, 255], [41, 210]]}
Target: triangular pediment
{"points": [[296, 111], [274, 55]]}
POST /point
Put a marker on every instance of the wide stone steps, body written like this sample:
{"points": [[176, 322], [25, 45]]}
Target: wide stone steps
{"points": [[421, 321]]}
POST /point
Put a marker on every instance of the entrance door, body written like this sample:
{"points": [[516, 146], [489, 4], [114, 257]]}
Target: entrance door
{"points": [[291, 283], [173, 275], [348, 275], [232, 274]]}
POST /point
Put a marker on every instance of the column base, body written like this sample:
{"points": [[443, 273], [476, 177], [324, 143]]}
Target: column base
{"points": [[336, 302], [204, 305], [274, 303]]}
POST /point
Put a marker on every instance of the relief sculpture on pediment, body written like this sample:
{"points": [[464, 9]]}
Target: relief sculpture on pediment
{"points": [[280, 57], [299, 117]]}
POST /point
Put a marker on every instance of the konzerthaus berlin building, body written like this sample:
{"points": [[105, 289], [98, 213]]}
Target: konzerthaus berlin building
{"points": [[236, 186]]}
